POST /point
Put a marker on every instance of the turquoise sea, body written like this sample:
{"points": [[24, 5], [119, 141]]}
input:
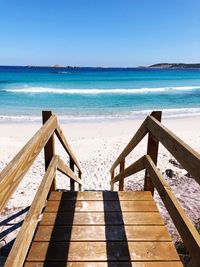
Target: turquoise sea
{"points": [[97, 93]]}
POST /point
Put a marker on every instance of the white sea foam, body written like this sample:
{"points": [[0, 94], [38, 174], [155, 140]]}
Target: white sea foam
{"points": [[140, 114], [63, 72], [35, 90], [170, 113]]}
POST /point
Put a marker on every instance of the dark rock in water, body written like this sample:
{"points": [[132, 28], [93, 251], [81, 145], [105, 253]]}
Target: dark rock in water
{"points": [[169, 173]]}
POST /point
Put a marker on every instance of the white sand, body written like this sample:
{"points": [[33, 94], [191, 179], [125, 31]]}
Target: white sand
{"points": [[97, 145]]}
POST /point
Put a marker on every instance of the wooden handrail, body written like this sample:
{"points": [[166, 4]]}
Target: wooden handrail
{"points": [[63, 140], [11, 176], [187, 157], [21, 245], [62, 167], [189, 234], [139, 135], [137, 166], [13, 173]]}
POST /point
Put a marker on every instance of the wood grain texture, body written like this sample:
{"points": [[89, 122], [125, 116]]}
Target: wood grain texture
{"points": [[187, 157], [139, 135], [65, 144], [72, 182], [13, 173], [121, 169], [98, 218], [20, 248], [111, 181], [80, 177], [100, 206], [62, 167], [104, 264], [49, 148], [98, 233], [152, 150], [83, 235], [189, 234], [96, 251], [105, 195], [137, 166]]}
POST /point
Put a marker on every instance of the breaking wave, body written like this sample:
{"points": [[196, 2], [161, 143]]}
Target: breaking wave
{"points": [[40, 90]]}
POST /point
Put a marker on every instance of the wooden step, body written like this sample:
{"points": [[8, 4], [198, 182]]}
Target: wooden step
{"points": [[102, 233], [97, 229], [100, 206], [102, 251], [107, 195], [104, 264], [98, 218]]}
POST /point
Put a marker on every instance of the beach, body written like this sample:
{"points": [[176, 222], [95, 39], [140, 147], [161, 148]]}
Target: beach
{"points": [[97, 145], [99, 111]]}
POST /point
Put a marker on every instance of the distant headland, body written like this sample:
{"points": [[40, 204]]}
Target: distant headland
{"points": [[154, 66], [175, 66]]}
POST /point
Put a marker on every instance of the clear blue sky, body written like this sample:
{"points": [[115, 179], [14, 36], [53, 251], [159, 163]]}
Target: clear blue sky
{"points": [[99, 32]]}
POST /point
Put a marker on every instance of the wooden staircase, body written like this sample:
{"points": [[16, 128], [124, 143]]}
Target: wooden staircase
{"points": [[97, 229], [102, 229]]}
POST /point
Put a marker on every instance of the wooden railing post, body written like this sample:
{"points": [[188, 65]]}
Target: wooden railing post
{"points": [[72, 182], [121, 182], [112, 183], [152, 151], [49, 149], [79, 175]]}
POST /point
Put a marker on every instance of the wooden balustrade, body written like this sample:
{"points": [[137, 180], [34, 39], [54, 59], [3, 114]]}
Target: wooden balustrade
{"points": [[20, 248], [140, 134], [188, 157], [185, 155], [152, 150], [187, 231], [12, 175]]}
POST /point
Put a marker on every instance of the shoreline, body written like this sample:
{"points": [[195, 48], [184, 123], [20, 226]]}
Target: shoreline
{"points": [[96, 146], [167, 114]]}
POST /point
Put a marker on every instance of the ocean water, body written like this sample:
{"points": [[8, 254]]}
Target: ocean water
{"points": [[97, 93]]}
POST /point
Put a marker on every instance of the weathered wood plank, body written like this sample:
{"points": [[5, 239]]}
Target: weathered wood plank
{"points": [[137, 166], [21, 245], [13, 173], [72, 182], [189, 234], [80, 177], [99, 206], [106, 195], [98, 218], [97, 251], [187, 157], [152, 150], [65, 144], [62, 167], [49, 148], [111, 181], [121, 182], [98, 233], [139, 135], [104, 264]]}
